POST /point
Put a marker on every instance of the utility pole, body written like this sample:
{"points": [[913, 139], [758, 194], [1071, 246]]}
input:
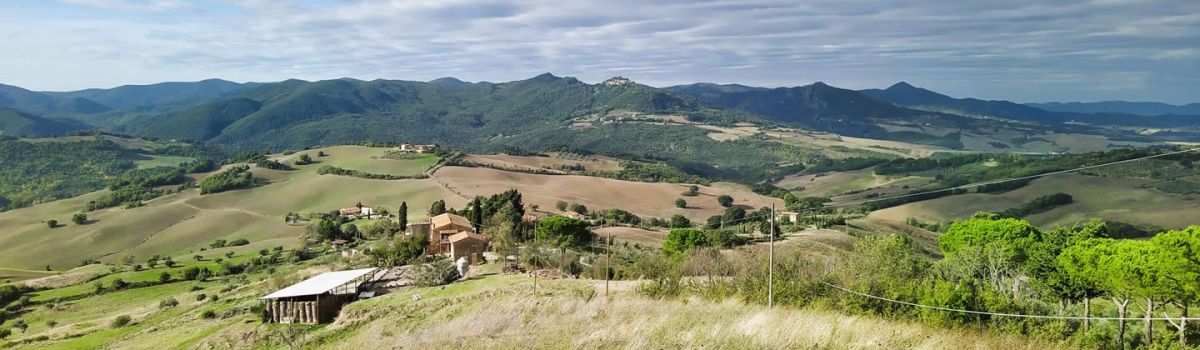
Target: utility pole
{"points": [[771, 263]]}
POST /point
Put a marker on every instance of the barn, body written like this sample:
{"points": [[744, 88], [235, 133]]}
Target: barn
{"points": [[315, 300]]}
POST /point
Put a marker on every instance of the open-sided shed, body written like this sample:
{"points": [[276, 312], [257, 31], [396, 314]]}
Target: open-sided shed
{"points": [[315, 300]]}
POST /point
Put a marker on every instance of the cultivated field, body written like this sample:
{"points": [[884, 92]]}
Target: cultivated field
{"points": [[1123, 200], [554, 161], [640, 198], [834, 184]]}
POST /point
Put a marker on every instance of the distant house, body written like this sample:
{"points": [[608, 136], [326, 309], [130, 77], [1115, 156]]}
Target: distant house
{"points": [[315, 300], [788, 216], [470, 245], [417, 148], [356, 211]]}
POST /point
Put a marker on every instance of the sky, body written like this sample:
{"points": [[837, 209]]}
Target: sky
{"points": [[1027, 51]]}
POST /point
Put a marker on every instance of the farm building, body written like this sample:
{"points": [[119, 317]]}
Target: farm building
{"points": [[788, 216], [417, 148], [356, 212], [470, 245], [315, 300], [441, 227]]}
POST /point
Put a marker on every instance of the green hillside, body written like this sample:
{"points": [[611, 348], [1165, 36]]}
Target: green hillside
{"points": [[17, 123]]}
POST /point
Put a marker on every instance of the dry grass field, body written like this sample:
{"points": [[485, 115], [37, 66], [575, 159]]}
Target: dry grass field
{"points": [[633, 235], [641, 198]]}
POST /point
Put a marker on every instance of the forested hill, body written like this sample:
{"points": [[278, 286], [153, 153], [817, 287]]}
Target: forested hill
{"points": [[18, 123], [904, 94], [293, 114]]}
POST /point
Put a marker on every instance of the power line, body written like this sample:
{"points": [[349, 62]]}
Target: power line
{"points": [[1001, 314]]}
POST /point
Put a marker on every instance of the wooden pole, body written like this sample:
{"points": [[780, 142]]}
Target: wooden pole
{"points": [[535, 263], [771, 263]]}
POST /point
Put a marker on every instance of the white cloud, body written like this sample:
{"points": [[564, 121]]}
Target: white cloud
{"points": [[134, 5], [1143, 50]]}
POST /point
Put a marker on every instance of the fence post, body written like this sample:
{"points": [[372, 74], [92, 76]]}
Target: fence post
{"points": [[771, 263]]}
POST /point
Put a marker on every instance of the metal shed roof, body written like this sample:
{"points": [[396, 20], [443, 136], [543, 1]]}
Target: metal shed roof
{"points": [[319, 284]]}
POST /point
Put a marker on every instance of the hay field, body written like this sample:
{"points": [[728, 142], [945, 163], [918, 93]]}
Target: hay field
{"points": [[641, 198], [1123, 200]]}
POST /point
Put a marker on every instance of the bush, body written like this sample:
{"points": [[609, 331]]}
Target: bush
{"points": [[579, 208], [4, 333], [79, 218], [201, 297], [121, 321], [208, 314], [52, 223], [238, 242], [168, 303], [680, 203], [680, 221], [725, 200], [436, 273], [692, 191]]}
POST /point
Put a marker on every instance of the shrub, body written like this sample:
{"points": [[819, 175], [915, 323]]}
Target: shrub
{"points": [[201, 297], [168, 303], [121, 321], [52, 223], [4, 333], [436, 273], [579, 208], [725, 200], [79, 218], [692, 191], [238, 242], [680, 203], [680, 221], [120, 284], [208, 314]]}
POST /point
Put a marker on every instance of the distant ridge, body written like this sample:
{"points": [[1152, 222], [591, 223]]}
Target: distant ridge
{"points": [[170, 93], [1124, 107]]}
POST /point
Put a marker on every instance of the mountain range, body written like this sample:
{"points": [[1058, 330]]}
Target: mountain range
{"points": [[296, 113]]}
